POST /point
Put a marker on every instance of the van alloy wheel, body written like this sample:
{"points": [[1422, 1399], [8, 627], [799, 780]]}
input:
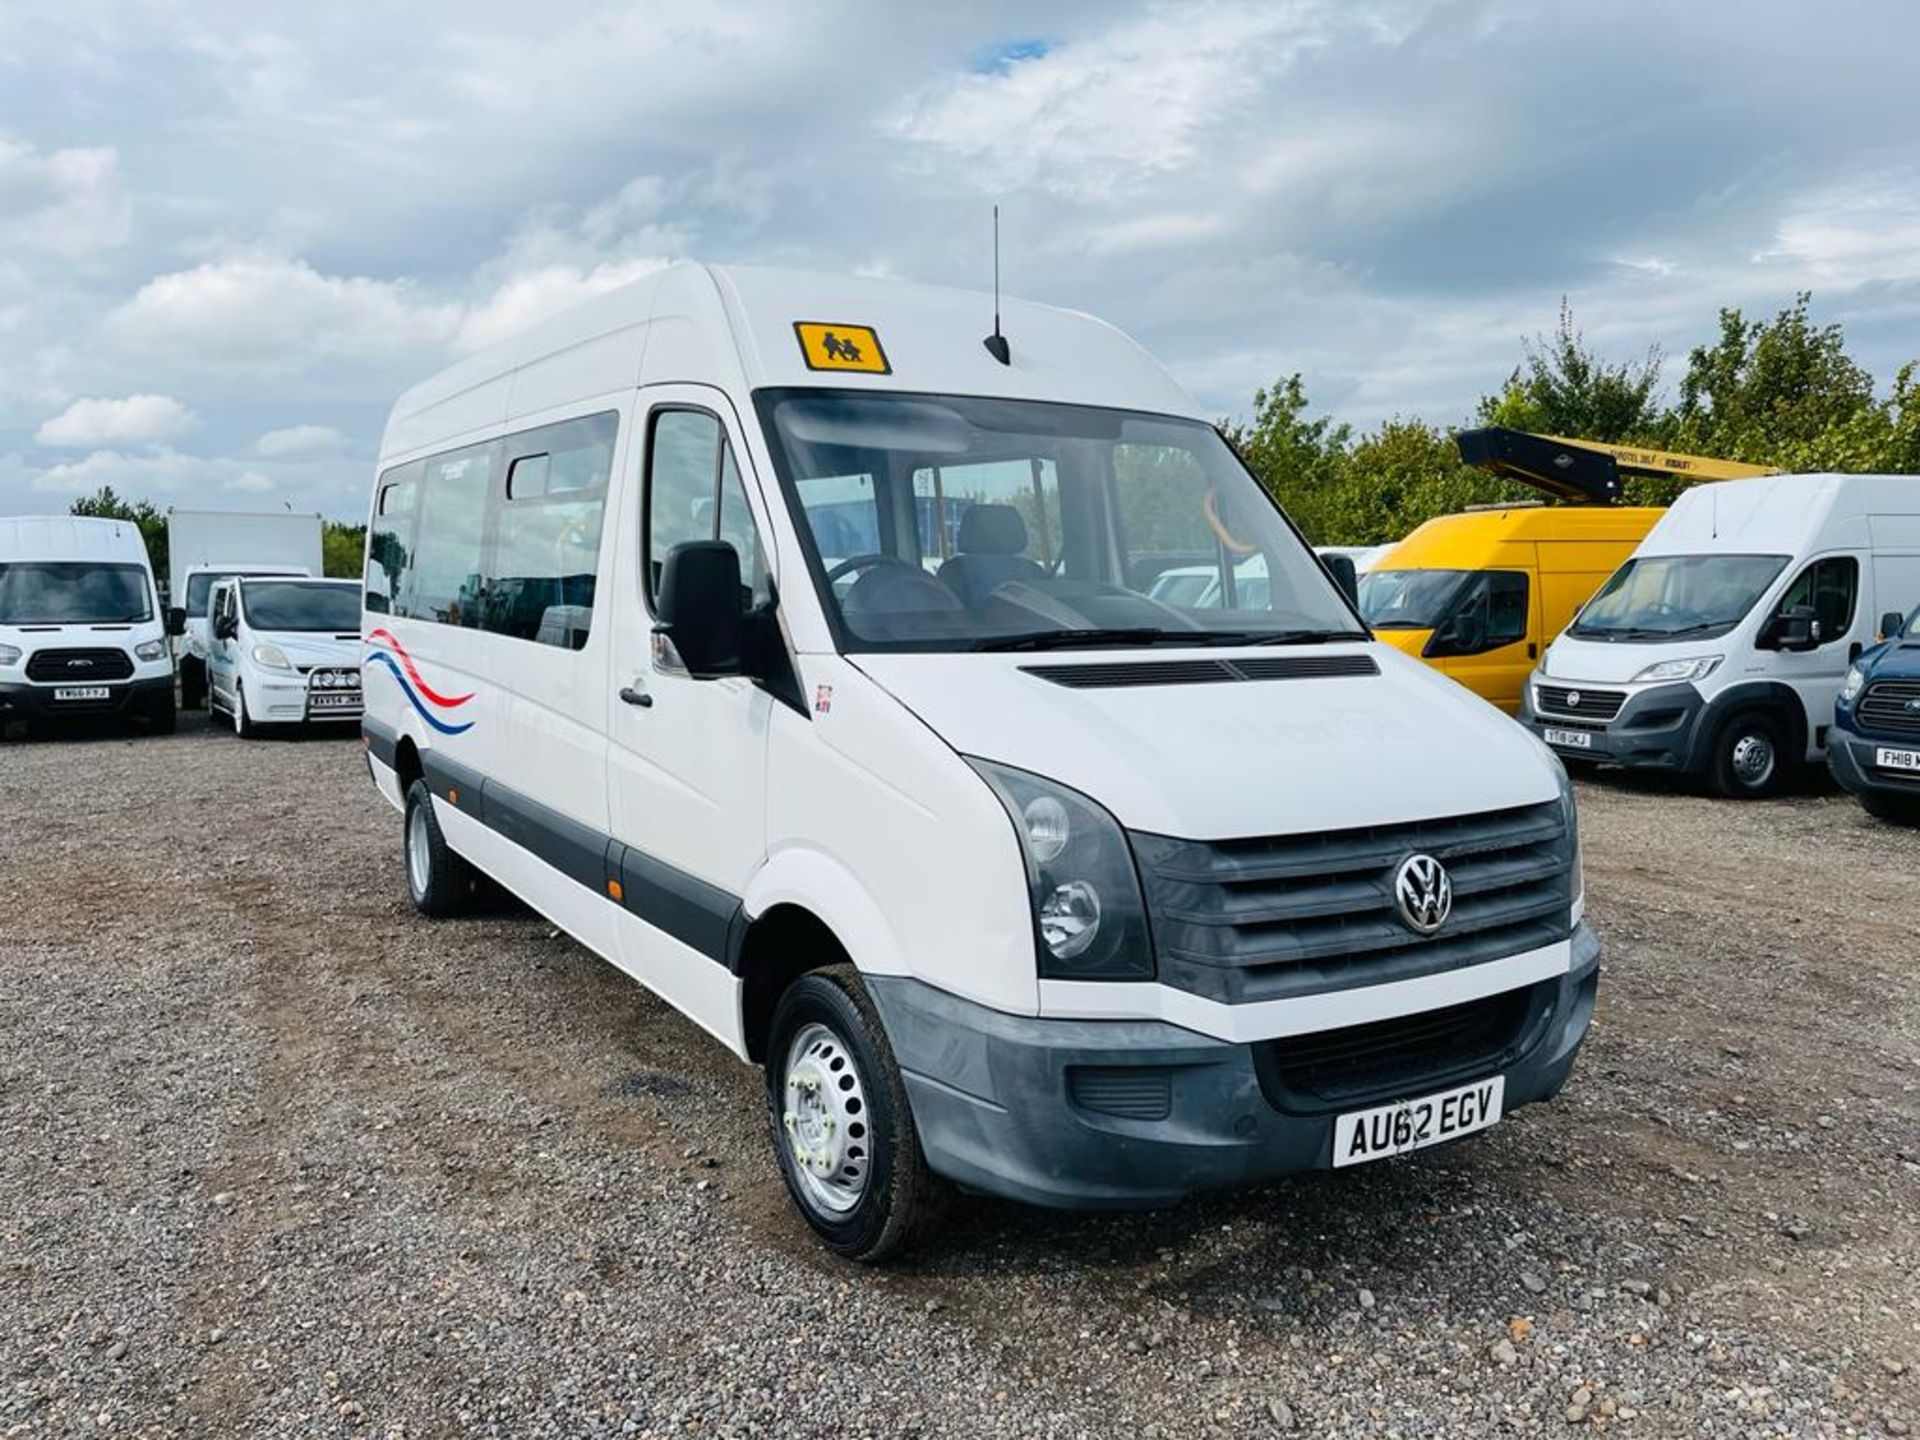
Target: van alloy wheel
{"points": [[825, 1119], [419, 851]]}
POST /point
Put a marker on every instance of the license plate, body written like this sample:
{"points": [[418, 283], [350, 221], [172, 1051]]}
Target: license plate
{"points": [[1572, 739], [334, 700], [81, 692], [1897, 759], [1415, 1124]]}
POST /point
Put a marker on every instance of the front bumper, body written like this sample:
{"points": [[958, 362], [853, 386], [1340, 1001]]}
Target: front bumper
{"points": [[26, 700], [1128, 1114], [1655, 729], [1850, 758]]}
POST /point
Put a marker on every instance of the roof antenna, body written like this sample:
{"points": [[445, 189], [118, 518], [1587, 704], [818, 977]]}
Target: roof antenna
{"points": [[996, 343]]}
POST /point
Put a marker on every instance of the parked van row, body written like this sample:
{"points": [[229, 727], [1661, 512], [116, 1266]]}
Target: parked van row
{"points": [[825, 668]]}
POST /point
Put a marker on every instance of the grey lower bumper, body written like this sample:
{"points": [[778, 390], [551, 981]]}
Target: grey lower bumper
{"points": [[124, 697], [1110, 1114], [1851, 759], [1656, 729]]}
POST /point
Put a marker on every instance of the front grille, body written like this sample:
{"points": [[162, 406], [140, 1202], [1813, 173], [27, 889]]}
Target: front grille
{"points": [[1406, 1055], [1270, 918], [1590, 704], [79, 667], [1884, 708]]}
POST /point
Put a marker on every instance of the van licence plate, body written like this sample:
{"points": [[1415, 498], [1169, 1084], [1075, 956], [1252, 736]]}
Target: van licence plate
{"points": [[1415, 1124], [81, 692], [1897, 759], [334, 700], [1572, 739]]}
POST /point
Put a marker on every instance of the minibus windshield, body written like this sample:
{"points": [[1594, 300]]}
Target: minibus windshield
{"points": [[1677, 597], [959, 523], [1408, 599], [73, 592], [302, 605]]}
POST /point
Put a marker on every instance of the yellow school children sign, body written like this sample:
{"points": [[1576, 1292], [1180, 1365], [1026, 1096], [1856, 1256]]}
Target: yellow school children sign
{"points": [[841, 347]]}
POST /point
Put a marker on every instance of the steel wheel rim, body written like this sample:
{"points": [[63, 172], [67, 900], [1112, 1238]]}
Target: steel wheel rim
{"points": [[1753, 759], [419, 853], [824, 1120]]}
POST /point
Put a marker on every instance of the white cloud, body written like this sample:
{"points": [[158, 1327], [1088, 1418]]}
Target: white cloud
{"points": [[160, 471], [63, 202], [250, 482], [530, 297], [299, 440], [278, 315], [135, 419], [1865, 230]]}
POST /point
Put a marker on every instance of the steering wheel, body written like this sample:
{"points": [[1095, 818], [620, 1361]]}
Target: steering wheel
{"points": [[867, 562]]}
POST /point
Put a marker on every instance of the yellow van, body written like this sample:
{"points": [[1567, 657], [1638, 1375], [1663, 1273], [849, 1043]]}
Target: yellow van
{"points": [[1480, 594]]}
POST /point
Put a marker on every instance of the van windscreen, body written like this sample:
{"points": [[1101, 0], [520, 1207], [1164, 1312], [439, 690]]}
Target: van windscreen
{"points": [[301, 605], [940, 522], [1408, 599], [1677, 597], [73, 592]]}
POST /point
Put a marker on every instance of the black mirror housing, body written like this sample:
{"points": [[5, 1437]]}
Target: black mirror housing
{"points": [[1892, 624], [1794, 629], [1345, 574], [698, 615], [176, 620]]}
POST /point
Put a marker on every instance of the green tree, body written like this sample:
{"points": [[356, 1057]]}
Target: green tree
{"points": [[1563, 387], [1301, 462], [343, 550], [106, 504]]}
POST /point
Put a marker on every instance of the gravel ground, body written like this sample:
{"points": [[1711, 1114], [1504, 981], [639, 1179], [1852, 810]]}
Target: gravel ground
{"points": [[280, 1158]]}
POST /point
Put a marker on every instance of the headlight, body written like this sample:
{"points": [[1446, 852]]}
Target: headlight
{"points": [[9, 654], [1855, 682], [150, 649], [1676, 670], [1089, 920], [271, 656]]}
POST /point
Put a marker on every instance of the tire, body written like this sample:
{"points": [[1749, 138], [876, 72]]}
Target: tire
{"points": [[165, 719], [1748, 760], [243, 724], [193, 684], [439, 882], [865, 1188], [1900, 809]]}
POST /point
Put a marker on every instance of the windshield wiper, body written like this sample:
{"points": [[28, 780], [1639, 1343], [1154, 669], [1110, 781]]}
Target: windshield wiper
{"points": [[1074, 639], [1307, 637]]}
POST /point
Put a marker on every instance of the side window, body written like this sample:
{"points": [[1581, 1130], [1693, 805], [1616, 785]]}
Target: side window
{"points": [[546, 562], [1829, 588], [694, 492], [1506, 607], [448, 564], [390, 541]]}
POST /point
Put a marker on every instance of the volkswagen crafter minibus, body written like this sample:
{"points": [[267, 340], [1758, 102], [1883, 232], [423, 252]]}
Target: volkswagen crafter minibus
{"points": [[797, 652]]}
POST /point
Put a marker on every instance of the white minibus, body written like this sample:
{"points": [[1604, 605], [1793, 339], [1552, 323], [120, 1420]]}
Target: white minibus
{"points": [[1718, 649], [791, 642], [81, 630]]}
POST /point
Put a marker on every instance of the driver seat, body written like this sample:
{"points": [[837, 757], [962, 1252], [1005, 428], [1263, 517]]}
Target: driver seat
{"points": [[991, 546]]}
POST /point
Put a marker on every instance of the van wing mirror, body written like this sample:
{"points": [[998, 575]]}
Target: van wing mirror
{"points": [[1464, 632], [1891, 625], [699, 625], [176, 620], [1794, 629], [226, 627], [1345, 574]]}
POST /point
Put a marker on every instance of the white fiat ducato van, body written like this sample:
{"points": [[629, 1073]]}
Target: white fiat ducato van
{"points": [[1717, 651], [797, 652], [81, 630]]}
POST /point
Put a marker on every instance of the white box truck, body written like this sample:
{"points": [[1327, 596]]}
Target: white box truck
{"points": [[205, 546]]}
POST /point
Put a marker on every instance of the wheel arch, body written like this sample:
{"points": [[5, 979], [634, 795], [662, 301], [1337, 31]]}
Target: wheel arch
{"points": [[1773, 698]]}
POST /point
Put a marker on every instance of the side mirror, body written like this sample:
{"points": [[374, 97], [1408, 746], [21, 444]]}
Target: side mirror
{"points": [[1345, 574], [176, 620], [1794, 629], [1891, 624], [699, 625], [226, 627], [1462, 633]]}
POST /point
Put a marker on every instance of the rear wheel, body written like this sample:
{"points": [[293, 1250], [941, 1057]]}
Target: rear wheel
{"points": [[439, 881], [840, 1121], [1901, 809], [243, 725], [1749, 759]]}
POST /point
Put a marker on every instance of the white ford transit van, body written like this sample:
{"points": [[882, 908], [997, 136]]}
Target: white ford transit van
{"points": [[81, 631], [283, 650], [1718, 649], [797, 652]]}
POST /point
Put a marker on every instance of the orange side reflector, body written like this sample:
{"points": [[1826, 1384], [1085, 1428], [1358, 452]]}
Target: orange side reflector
{"points": [[614, 889]]}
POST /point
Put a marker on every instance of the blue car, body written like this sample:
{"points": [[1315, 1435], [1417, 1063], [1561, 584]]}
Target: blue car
{"points": [[1874, 747]]}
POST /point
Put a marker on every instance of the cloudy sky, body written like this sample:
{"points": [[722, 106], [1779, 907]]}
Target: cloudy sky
{"points": [[230, 233]]}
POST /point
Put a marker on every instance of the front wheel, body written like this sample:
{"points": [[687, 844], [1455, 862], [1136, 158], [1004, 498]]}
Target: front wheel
{"points": [[439, 881], [1748, 760], [841, 1125], [243, 725]]}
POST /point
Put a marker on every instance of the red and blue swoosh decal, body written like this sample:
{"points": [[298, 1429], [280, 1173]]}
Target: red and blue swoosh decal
{"points": [[386, 648]]}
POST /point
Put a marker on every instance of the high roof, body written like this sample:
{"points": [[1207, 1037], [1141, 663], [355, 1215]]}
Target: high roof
{"points": [[70, 537], [734, 327]]}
